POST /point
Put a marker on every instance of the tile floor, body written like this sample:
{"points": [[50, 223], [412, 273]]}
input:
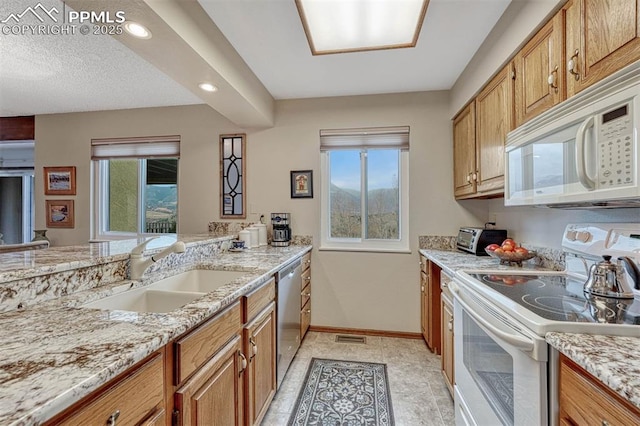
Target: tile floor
{"points": [[418, 393]]}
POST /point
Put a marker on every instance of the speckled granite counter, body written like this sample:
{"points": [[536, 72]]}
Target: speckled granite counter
{"points": [[615, 361], [54, 353]]}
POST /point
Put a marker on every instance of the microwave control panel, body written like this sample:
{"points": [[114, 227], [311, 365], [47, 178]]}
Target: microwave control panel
{"points": [[616, 148]]}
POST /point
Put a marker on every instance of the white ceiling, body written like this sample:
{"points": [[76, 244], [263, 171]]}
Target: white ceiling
{"points": [[56, 73], [270, 38]]}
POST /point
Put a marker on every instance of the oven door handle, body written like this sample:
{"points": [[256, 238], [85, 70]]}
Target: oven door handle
{"points": [[522, 343]]}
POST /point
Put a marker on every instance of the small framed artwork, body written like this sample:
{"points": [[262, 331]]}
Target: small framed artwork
{"points": [[60, 214], [60, 180], [302, 184]]}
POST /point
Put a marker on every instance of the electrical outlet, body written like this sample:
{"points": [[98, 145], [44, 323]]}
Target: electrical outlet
{"points": [[493, 217]]}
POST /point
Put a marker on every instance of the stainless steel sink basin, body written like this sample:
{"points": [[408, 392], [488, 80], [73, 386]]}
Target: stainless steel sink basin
{"points": [[169, 293]]}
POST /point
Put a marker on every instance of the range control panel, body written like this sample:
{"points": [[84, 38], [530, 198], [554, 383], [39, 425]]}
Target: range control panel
{"points": [[616, 148], [594, 240]]}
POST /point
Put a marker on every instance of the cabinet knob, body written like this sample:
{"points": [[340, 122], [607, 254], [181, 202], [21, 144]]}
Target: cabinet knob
{"points": [[572, 65], [605, 423], [450, 326], [552, 79], [422, 288], [307, 278], [308, 311], [469, 178], [113, 418]]}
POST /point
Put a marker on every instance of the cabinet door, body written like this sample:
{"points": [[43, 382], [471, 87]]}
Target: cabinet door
{"points": [[494, 119], [540, 72], [260, 347], [447, 343], [424, 308], [213, 396], [464, 148], [601, 38], [584, 400]]}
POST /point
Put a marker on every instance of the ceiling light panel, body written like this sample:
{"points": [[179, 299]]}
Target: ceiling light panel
{"points": [[355, 25]]}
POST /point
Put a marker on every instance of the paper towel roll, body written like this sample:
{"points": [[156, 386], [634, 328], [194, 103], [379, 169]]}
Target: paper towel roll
{"points": [[254, 236], [262, 233], [245, 236]]}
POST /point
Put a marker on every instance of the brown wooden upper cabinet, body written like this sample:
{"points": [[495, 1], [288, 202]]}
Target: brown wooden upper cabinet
{"points": [[464, 148], [540, 71], [601, 38], [494, 119], [479, 134]]}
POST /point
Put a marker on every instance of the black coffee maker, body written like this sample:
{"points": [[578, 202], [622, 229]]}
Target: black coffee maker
{"points": [[281, 231]]}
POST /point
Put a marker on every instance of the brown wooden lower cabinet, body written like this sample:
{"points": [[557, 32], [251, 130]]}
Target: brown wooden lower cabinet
{"points": [[135, 397], [447, 333], [430, 303], [214, 395], [584, 400], [260, 347]]}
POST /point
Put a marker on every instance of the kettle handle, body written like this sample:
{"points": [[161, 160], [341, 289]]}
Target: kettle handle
{"points": [[632, 269]]}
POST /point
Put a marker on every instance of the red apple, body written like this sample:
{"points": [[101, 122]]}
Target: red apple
{"points": [[492, 247], [521, 250]]}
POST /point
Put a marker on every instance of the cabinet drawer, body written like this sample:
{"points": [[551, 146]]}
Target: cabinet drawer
{"points": [[305, 294], [583, 400], [306, 280], [305, 319], [444, 286], [255, 301], [135, 397], [194, 349], [306, 261]]}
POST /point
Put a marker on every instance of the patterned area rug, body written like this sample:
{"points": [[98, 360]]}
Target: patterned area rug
{"points": [[344, 393]]}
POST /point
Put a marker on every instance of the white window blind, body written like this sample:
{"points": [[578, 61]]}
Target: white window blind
{"points": [[374, 137], [139, 147]]}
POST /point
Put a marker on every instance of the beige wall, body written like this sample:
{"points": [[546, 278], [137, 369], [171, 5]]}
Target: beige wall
{"points": [[361, 290], [65, 140]]}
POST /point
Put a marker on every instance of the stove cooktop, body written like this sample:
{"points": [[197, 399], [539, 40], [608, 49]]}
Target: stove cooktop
{"points": [[561, 298]]}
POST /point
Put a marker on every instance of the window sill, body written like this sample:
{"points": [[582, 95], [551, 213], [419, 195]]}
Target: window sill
{"points": [[366, 249]]}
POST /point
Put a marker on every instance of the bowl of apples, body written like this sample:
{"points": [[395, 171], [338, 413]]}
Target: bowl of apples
{"points": [[509, 252]]}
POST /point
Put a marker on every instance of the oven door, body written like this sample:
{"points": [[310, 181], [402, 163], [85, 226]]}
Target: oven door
{"points": [[500, 367]]}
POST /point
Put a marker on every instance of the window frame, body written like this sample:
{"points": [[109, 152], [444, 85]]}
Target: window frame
{"points": [[100, 201], [329, 243]]}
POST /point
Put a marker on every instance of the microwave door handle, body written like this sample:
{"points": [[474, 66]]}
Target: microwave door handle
{"points": [[581, 164]]}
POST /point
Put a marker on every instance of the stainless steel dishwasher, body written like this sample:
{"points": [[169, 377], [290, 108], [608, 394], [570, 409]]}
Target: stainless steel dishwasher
{"points": [[288, 333]]}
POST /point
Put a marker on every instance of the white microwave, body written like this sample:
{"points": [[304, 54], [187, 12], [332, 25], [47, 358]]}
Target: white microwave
{"points": [[581, 153]]}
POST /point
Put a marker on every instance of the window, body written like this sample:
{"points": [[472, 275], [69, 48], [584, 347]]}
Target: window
{"points": [[365, 189], [135, 186]]}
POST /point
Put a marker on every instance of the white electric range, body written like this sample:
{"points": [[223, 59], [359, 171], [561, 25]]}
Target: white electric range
{"points": [[505, 371]]}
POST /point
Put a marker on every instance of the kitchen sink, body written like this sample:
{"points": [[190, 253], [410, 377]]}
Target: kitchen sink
{"points": [[197, 280], [169, 293], [145, 300]]}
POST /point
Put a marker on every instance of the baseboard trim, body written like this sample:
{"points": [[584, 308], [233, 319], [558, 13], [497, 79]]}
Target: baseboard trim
{"points": [[368, 332]]}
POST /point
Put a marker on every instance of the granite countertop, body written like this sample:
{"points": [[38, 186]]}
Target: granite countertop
{"points": [[26, 264], [615, 361], [612, 359], [55, 353]]}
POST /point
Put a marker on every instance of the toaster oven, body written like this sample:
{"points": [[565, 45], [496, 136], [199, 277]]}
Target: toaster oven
{"points": [[474, 240]]}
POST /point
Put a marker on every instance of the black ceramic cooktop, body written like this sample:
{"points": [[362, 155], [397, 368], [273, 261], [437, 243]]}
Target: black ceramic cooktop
{"points": [[560, 298]]}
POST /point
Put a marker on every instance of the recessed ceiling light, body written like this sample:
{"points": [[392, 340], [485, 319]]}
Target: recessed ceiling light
{"points": [[352, 26], [208, 87], [137, 30]]}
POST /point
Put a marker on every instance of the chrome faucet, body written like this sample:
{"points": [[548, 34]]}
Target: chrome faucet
{"points": [[138, 264]]}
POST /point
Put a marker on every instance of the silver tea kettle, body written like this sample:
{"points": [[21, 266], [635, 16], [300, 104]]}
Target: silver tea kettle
{"points": [[608, 279]]}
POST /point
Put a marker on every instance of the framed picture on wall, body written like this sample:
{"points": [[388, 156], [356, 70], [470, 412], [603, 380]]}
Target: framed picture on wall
{"points": [[60, 180], [60, 214], [302, 184]]}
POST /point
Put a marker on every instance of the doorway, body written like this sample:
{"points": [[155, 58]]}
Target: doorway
{"points": [[17, 213]]}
